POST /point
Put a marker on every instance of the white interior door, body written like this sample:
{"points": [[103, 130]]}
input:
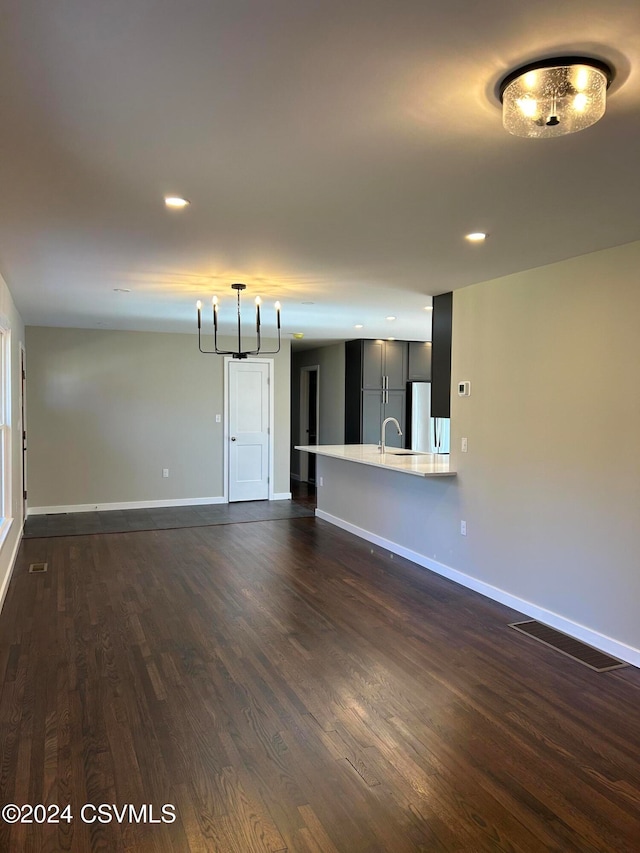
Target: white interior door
{"points": [[248, 430]]}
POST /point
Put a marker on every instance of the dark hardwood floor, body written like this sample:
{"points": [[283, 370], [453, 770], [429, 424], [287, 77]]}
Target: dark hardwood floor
{"points": [[169, 518], [287, 687]]}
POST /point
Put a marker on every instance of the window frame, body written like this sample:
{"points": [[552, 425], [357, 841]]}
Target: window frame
{"points": [[6, 517]]}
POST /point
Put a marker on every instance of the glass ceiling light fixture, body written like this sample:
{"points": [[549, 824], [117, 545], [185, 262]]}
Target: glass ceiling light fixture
{"points": [[554, 97], [239, 353]]}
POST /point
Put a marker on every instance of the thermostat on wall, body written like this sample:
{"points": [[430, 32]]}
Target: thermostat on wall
{"points": [[464, 389]]}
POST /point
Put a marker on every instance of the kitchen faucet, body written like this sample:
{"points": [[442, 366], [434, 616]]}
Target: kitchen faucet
{"points": [[384, 426]]}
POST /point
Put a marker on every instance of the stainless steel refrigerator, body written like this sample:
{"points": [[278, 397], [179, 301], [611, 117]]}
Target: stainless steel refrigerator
{"points": [[429, 435]]}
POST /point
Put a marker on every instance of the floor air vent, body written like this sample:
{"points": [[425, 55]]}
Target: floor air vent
{"points": [[38, 568], [587, 655]]}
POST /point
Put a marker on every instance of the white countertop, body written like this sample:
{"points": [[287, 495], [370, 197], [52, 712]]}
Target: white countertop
{"points": [[395, 459]]}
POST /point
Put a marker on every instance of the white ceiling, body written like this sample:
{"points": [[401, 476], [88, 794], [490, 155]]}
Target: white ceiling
{"points": [[334, 153]]}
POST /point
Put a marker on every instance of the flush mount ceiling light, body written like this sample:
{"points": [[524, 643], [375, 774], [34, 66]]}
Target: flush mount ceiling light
{"points": [[555, 96], [476, 237]]}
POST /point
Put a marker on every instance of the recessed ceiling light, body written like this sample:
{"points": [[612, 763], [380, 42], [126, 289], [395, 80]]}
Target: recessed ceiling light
{"points": [[358, 326], [476, 236], [122, 290], [176, 202], [391, 339], [428, 307], [391, 318]]}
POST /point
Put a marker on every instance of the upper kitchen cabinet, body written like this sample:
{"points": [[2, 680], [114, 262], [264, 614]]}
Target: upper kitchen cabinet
{"points": [[420, 361], [441, 355], [384, 363]]}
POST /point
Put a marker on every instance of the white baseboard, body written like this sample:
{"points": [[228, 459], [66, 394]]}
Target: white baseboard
{"points": [[12, 563], [610, 646], [52, 510], [281, 496]]}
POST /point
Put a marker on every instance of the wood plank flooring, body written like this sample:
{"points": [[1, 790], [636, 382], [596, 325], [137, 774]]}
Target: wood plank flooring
{"points": [[166, 518], [286, 686]]}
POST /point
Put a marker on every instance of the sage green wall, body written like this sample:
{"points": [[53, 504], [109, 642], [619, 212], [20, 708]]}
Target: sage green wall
{"points": [[108, 410], [550, 486], [331, 422], [11, 317]]}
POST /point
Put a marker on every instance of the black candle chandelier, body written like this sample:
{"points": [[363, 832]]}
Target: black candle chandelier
{"points": [[239, 353]]}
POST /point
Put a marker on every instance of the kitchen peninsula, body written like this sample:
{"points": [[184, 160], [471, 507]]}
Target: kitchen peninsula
{"points": [[406, 502], [403, 461]]}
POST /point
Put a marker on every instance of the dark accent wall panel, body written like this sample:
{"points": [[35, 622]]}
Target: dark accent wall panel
{"points": [[441, 356], [353, 393]]}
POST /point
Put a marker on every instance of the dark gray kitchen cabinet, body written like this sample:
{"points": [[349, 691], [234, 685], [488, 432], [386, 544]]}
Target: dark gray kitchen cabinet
{"points": [[441, 355], [376, 406], [419, 361], [384, 364], [375, 388]]}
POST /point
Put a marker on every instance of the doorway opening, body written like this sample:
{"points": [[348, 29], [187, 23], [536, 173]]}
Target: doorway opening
{"points": [[309, 419]]}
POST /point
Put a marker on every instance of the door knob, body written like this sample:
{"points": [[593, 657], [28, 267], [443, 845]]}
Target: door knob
{"points": [[233, 438]]}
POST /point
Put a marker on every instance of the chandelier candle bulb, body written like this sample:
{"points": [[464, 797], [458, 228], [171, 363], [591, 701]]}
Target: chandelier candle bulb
{"points": [[258, 300], [199, 307], [278, 313]]}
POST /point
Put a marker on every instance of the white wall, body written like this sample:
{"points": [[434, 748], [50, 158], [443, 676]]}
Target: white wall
{"points": [[108, 410], [9, 546]]}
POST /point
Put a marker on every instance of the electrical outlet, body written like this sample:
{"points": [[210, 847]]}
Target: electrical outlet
{"points": [[165, 472], [463, 528], [464, 445], [218, 419], [321, 481]]}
